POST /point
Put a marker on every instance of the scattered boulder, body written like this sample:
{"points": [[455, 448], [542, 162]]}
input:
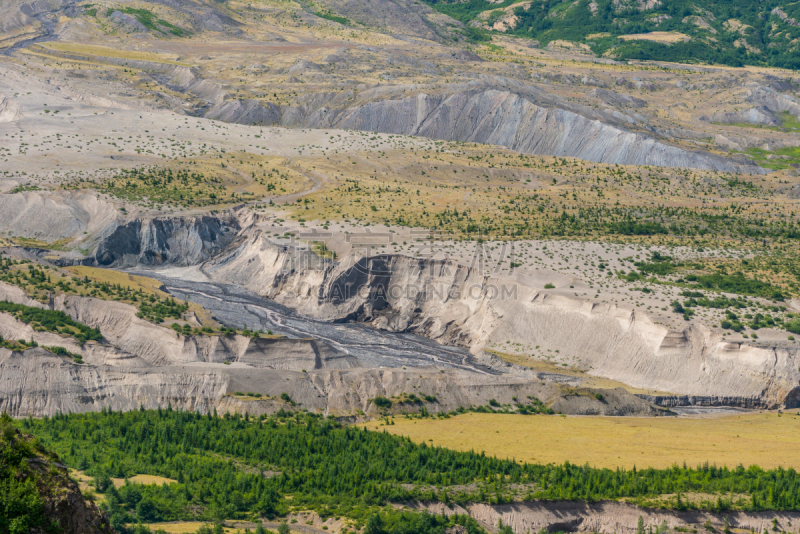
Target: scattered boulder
{"points": [[9, 110]]}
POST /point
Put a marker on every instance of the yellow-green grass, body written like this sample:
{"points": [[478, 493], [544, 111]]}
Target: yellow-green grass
{"points": [[134, 283], [658, 37], [145, 480], [457, 187], [104, 51], [587, 380], [418, 184], [766, 439]]}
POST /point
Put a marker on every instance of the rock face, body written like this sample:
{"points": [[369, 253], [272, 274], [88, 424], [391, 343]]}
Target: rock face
{"points": [[245, 112], [158, 346], [450, 303], [176, 77], [607, 516], [160, 241], [773, 100], [403, 16], [9, 110], [616, 99], [37, 382]]}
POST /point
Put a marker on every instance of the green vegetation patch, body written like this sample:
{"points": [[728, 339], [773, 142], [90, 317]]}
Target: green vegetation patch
{"points": [[50, 321], [778, 159], [534, 406], [735, 283], [61, 351], [38, 283], [150, 20], [23, 188], [333, 17], [771, 39], [167, 187]]}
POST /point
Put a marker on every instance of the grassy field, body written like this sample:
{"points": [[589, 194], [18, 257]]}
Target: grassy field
{"points": [[144, 479], [135, 283], [658, 37], [765, 439], [104, 51]]}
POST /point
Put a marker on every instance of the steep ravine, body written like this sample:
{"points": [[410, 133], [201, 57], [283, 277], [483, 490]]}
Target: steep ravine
{"points": [[141, 364], [457, 305]]}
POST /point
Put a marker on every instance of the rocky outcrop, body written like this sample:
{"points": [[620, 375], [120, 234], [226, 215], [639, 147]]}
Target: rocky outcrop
{"points": [[9, 110], [63, 507], [607, 516], [616, 99], [17, 296], [457, 305], [141, 364], [37, 382], [673, 401], [128, 22], [773, 100], [166, 241], [153, 345], [492, 109], [24, 22], [408, 18], [245, 112], [179, 78]]}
